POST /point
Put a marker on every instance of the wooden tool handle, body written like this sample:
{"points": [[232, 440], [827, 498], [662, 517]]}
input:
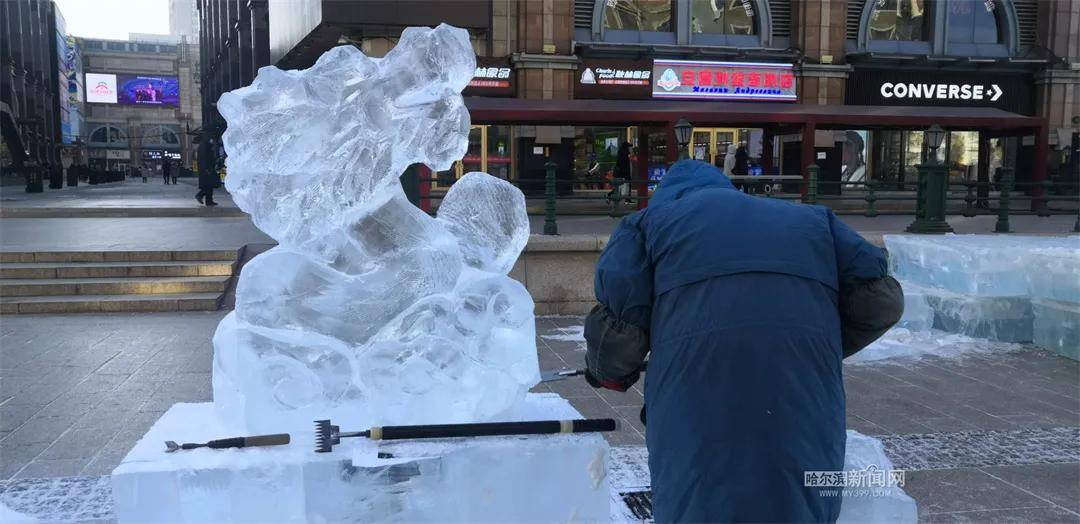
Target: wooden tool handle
{"points": [[278, 439], [247, 442]]}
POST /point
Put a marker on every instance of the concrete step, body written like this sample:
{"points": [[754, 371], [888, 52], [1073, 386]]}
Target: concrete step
{"points": [[54, 270], [110, 303], [32, 287], [16, 257]]}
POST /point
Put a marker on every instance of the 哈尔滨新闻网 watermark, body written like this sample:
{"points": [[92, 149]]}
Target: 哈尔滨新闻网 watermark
{"points": [[869, 477]]}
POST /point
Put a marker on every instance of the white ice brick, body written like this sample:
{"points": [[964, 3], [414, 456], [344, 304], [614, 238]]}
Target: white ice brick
{"points": [[978, 265], [1054, 274], [918, 316], [1057, 326], [552, 478], [1007, 319]]}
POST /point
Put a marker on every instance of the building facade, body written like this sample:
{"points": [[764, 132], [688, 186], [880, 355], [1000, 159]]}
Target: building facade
{"points": [[30, 69], [234, 42], [848, 85], [184, 20], [137, 114]]}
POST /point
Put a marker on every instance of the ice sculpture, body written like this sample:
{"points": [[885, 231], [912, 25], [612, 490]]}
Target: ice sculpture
{"points": [[370, 311]]}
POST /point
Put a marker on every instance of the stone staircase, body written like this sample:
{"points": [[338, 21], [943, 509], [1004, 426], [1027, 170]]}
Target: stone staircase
{"points": [[114, 281]]}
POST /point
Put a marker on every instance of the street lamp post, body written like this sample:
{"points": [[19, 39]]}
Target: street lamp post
{"points": [[933, 189], [683, 128]]}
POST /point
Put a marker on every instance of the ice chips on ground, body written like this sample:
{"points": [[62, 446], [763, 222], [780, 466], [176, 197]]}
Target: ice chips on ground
{"points": [[901, 343], [977, 265], [629, 472], [370, 311], [873, 503], [549, 478]]}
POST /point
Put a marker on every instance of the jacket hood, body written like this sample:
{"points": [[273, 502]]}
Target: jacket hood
{"points": [[687, 176], [732, 149]]}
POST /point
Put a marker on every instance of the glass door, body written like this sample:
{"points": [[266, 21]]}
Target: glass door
{"points": [[710, 144]]}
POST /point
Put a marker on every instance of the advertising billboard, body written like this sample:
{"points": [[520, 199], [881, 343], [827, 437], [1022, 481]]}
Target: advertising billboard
{"points": [[100, 88], [132, 90], [694, 79]]}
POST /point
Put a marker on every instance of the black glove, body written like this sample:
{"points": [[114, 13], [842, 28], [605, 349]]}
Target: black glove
{"points": [[592, 380]]}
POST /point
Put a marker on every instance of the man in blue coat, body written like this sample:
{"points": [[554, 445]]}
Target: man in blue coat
{"points": [[745, 307]]}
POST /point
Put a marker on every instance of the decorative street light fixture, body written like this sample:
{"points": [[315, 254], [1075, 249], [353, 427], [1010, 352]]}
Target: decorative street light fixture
{"points": [[683, 128], [934, 137], [933, 189]]}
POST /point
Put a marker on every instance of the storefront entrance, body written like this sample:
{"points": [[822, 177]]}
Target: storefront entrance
{"points": [[710, 144]]}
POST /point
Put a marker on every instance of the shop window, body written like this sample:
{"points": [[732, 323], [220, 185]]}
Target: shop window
{"points": [[489, 151], [639, 15], [159, 135], [963, 151], [724, 17], [973, 21], [900, 20], [108, 134], [596, 152]]}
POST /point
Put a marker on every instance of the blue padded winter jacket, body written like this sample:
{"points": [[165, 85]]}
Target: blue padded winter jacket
{"points": [[739, 299]]}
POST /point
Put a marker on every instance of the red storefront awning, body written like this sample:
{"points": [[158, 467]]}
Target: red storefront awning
{"points": [[702, 114]]}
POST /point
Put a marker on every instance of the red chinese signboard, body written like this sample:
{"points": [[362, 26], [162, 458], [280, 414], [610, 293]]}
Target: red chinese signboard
{"points": [[692, 79]]}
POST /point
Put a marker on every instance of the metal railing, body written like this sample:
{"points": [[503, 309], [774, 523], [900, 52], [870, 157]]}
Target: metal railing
{"points": [[1002, 197]]}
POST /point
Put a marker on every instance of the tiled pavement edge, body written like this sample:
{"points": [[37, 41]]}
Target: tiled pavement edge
{"points": [[988, 436]]}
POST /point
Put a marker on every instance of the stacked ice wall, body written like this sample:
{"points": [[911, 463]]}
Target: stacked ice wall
{"points": [[1054, 282], [369, 311], [1007, 288]]}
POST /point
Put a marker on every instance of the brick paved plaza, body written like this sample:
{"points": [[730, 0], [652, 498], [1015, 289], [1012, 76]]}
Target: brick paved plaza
{"points": [[984, 436]]}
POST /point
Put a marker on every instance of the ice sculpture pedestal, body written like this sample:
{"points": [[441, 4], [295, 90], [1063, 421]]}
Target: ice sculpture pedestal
{"points": [[553, 478]]}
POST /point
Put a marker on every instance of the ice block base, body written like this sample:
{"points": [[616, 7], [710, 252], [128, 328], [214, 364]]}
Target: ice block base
{"points": [[1007, 319], [508, 479]]}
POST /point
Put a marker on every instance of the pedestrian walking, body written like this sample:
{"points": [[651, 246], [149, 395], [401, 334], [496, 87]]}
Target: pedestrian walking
{"points": [[729, 160], [166, 171], [742, 164], [745, 307], [208, 180]]}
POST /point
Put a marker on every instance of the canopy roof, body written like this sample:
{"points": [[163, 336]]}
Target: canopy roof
{"points": [[485, 110]]}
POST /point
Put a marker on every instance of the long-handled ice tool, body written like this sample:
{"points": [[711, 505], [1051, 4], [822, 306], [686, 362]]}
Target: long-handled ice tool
{"points": [[277, 439], [326, 434]]}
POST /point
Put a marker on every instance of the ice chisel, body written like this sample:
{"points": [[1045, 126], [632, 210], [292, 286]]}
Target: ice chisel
{"points": [[551, 376], [278, 439], [327, 434]]}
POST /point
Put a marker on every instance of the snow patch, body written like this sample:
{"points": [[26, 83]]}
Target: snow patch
{"points": [[568, 334]]}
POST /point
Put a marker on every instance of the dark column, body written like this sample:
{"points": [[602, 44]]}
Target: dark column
{"points": [[643, 167], [243, 42], [807, 156], [260, 32], [983, 177], [671, 152], [766, 150], [1042, 150]]}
